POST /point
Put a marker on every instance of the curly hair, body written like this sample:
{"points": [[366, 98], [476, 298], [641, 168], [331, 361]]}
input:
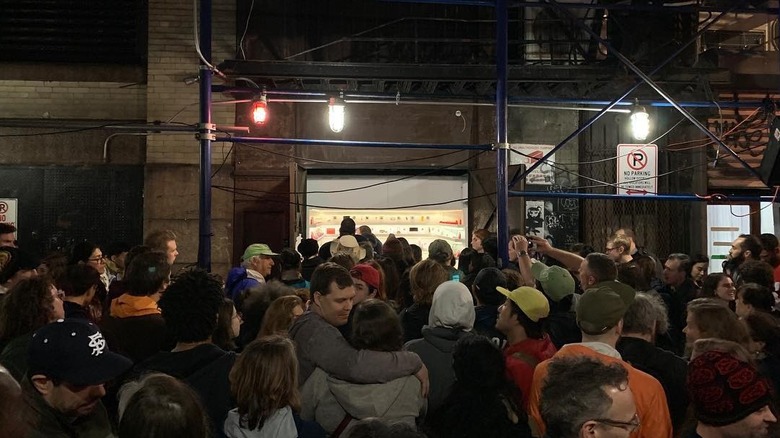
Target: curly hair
{"points": [[253, 304], [28, 306], [190, 305]]}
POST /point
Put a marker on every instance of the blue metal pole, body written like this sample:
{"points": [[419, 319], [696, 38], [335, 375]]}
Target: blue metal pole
{"points": [[455, 99], [352, 143], [206, 136], [502, 155], [682, 197], [654, 86], [612, 104]]}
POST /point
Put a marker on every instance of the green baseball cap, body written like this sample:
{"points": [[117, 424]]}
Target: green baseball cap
{"points": [[601, 307], [257, 249], [556, 281]]}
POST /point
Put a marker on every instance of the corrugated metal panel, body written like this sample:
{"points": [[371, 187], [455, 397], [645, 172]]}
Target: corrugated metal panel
{"points": [[73, 31]]}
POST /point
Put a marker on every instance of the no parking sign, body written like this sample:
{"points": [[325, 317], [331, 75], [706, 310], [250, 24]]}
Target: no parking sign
{"points": [[637, 169], [8, 210]]}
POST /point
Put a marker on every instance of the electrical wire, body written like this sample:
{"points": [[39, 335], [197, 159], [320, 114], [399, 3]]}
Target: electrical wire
{"points": [[224, 160], [724, 198], [313, 160], [353, 189], [69, 131], [398, 207], [246, 27], [197, 40]]}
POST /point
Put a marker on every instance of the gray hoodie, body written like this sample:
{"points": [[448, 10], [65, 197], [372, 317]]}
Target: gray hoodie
{"points": [[280, 424], [320, 345], [327, 400], [451, 318]]}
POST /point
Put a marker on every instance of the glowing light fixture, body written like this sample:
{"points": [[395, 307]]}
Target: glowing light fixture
{"points": [[260, 110], [640, 123], [336, 114]]}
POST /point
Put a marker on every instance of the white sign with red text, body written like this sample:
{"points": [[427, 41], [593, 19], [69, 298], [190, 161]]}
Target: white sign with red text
{"points": [[529, 154], [637, 169]]}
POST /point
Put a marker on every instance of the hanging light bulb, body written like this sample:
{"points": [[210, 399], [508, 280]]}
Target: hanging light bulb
{"points": [[640, 123], [260, 110], [336, 114]]}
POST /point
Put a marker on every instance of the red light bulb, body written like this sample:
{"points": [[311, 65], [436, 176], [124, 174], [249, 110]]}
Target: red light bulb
{"points": [[259, 112]]}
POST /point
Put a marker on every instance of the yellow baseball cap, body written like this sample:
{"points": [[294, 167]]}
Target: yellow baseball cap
{"points": [[532, 302]]}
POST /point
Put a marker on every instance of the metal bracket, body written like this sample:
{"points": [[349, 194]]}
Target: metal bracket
{"points": [[497, 146], [206, 136], [207, 126]]}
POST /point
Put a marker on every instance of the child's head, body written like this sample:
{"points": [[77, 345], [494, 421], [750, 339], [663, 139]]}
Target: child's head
{"points": [[264, 379]]}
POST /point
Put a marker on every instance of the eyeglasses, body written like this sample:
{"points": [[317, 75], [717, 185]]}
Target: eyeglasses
{"points": [[96, 260], [630, 426]]}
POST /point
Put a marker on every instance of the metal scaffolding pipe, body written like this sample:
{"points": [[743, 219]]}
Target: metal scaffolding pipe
{"points": [[353, 143], [630, 90], [658, 89], [502, 117], [683, 197], [206, 136], [477, 100], [684, 9]]}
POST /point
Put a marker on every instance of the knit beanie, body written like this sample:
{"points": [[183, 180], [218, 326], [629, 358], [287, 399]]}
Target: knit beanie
{"points": [[724, 389], [393, 248]]}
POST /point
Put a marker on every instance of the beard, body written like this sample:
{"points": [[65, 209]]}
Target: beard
{"points": [[730, 265]]}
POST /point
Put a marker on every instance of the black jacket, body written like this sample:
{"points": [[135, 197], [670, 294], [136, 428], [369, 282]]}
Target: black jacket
{"points": [[413, 318], [205, 368], [485, 317], [667, 368]]}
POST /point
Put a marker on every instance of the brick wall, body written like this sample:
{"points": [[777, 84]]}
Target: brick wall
{"points": [[27, 99], [172, 58], [173, 160]]}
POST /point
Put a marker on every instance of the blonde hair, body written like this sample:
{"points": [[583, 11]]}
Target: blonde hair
{"points": [[278, 318], [424, 278], [265, 379], [620, 241]]}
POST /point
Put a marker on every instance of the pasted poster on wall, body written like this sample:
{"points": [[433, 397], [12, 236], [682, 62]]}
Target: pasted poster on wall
{"points": [[534, 219], [527, 155]]}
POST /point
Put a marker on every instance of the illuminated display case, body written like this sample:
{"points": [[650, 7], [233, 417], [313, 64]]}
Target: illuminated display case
{"points": [[419, 227]]}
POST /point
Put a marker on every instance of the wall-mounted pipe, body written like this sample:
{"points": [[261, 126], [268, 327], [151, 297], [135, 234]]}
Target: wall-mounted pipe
{"points": [[691, 7], [477, 100], [353, 143], [682, 197]]}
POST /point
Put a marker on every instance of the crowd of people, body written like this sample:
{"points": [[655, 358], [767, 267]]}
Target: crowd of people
{"points": [[359, 338]]}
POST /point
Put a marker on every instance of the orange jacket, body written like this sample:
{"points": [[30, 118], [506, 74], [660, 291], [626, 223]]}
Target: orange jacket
{"points": [[648, 394]]}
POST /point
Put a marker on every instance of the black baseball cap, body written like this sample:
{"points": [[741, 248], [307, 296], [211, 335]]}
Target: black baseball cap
{"points": [[74, 351]]}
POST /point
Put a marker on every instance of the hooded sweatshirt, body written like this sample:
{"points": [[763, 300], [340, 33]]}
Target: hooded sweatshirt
{"points": [[205, 368], [451, 318], [279, 425], [135, 327], [328, 400]]}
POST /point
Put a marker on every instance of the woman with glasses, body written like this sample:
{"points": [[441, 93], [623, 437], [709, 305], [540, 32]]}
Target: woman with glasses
{"points": [[88, 253]]}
